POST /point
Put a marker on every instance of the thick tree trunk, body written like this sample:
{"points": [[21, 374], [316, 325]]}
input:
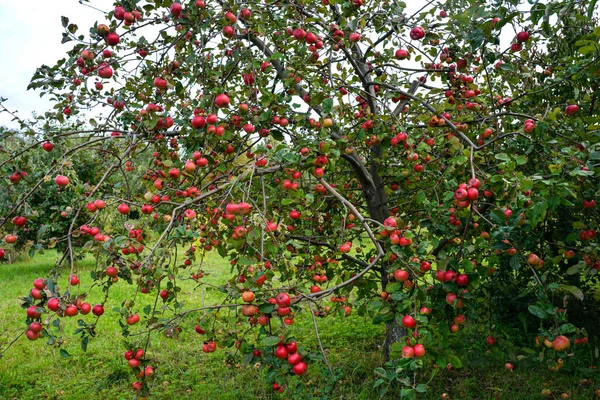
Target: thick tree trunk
{"points": [[393, 331], [393, 334]]}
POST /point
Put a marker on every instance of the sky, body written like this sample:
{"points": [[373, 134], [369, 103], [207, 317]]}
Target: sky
{"points": [[30, 35]]}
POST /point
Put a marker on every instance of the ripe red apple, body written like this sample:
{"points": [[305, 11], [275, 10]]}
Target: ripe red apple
{"points": [[199, 330], [112, 272], [300, 368], [401, 54], [409, 322], [54, 304], [74, 279], [85, 308], [39, 283], [533, 259], [133, 363], [401, 275], [572, 109], [123, 208], [32, 312], [461, 194], [291, 347], [36, 327], [408, 352], [419, 350], [509, 366], [176, 9], [61, 180], [149, 371], [561, 343], [31, 335], [47, 146], [417, 33], [283, 299], [473, 194], [19, 221], [294, 358], [523, 36], [589, 204], [425, 311], [112, 39], [462, 280], [222, 100], [71, 310], [105, 71], [346, 247], [98, 310], [133, 319], [281, 352], [490, 341], [160, 82]]}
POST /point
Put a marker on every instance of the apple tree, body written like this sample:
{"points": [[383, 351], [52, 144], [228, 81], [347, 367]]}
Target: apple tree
{"points": [[425, 167]]}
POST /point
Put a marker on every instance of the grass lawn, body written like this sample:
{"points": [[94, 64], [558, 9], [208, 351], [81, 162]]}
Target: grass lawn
{"points": [[32, 370]]}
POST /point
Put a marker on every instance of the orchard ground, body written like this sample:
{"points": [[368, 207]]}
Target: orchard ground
{"points": [[33, 370]]}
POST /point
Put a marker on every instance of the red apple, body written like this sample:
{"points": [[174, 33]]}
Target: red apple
{"points": [[572, 109], [123, 208], [222, 101], [61, 180], [409, 322]]}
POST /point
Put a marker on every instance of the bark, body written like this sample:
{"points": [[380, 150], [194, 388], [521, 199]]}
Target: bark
{"points": [[393, 331]]}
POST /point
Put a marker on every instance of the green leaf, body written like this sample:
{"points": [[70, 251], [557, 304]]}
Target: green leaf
{"points": [[515, 262], [270, 341], [277, 134], [575, 291], [244, 261], [266, 308], [327, 105], [455, 361], [84, 343], [441, 362], [64, 353], [421, 388], [65, 21], [575, 269], [567, 328], [476, 38], [537, 311], [502, 157], [393, 287]]}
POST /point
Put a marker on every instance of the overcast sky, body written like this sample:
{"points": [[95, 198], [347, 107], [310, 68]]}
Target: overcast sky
{"points": [[30, 35]]}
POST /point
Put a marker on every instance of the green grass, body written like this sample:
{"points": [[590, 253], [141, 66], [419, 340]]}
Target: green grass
{"points": [[31, 370]]}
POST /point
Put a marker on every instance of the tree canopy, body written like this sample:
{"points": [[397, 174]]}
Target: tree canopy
{"points": [[423, 169]]}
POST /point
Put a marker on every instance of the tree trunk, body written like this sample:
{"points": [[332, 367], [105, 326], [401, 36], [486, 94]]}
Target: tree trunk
{"points": [[393, 334], [393, 331]]}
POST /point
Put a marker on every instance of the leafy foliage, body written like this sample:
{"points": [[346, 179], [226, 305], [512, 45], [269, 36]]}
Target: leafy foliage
{"points": [[412, 167]]}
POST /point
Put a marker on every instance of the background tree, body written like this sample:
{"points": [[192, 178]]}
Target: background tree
{"points": [[414, 168]]}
